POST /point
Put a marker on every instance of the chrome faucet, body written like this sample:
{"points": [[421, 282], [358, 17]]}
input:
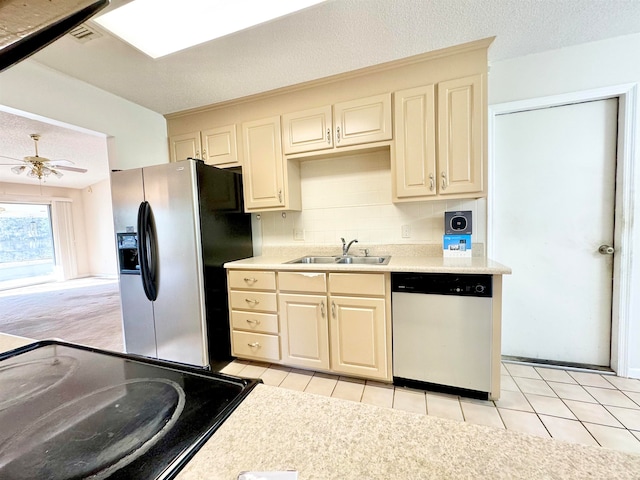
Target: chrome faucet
{"points": [[346, 247]]}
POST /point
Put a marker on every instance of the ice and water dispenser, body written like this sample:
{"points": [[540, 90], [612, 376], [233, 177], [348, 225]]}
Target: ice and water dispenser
{"points": [[128, 253]]}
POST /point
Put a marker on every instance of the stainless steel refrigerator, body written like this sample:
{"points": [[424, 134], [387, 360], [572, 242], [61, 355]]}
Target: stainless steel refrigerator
{"points": [[176, 225]]}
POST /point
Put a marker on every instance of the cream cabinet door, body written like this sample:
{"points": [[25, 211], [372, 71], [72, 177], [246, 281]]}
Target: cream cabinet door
{"points": [[307, 130], [460, 134], [185, 146], [220, 146], [304, 330], [264, 168], [359, 337], [363, 120], [414, 167]]}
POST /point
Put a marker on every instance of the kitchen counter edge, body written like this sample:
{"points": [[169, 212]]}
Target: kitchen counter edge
{"points": [[426, 264]]}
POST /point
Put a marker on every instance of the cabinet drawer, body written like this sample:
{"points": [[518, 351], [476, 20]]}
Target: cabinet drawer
{"points": [[256, 345], [260, 301], [357, 283], [256, 322], [302, 282], [252, 280]]}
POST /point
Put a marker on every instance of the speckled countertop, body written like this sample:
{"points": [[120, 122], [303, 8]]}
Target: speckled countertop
{"points": [[423, 258], [9, 342], [328, 438]]}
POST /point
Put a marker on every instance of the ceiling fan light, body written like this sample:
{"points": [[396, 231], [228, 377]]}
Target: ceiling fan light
{"points": [[18, 169]]}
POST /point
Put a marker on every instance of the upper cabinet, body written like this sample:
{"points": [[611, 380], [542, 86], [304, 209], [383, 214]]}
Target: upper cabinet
{"points": [[216, 146], [356, 122], [450, 163], [270, 181]]}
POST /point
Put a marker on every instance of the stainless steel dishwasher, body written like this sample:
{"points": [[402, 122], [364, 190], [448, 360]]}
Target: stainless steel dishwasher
{"points": [[442, 332]]}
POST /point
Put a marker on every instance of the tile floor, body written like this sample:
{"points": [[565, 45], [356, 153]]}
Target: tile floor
{"points": [[578, 407]]}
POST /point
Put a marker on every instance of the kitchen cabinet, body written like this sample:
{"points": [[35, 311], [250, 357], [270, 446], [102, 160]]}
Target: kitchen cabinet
{"points": [[333, 322], [270, 181], [360, 333], [215, 146], [450, 163], [355, 122], [254, 315], [303, 316]]}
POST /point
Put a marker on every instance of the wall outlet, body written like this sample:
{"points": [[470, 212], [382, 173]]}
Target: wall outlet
{"points": [[298, 234], [406, 231]]}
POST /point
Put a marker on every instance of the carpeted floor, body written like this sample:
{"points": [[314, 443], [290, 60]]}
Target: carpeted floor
{"points": [[85, 311]]}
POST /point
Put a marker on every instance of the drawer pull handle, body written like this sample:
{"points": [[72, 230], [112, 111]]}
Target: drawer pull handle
{"points": [[253, 321], [328, 135], [431, 182], [322, 309], [250, 280], [444, 180], [333, 309], [254, 345], [251, 302]]}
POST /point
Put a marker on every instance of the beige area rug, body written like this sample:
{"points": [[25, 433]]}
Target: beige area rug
{"points": [[84, 311]]}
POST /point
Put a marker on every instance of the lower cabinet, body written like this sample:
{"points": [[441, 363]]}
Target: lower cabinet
{"points": [[333, 322], [358, 337], [254, 315], [304, 330]]}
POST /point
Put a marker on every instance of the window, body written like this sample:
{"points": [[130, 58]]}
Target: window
{"points": [[26, 244]]}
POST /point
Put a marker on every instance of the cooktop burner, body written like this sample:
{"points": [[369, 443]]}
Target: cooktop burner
{"points": [[71, 412]]}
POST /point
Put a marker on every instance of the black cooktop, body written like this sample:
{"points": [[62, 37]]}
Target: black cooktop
{"points": [[74, 412]]}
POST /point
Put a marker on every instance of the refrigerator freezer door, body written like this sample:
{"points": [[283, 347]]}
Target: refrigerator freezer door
{"points": [[137, 317], [179, 308], [127, 192]]}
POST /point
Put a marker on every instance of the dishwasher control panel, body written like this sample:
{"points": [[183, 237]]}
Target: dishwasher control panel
{"points": [[443, 284]]}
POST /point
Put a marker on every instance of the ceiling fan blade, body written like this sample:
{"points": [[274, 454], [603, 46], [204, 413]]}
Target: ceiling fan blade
{"points": [[69, 169], [11, 158], [57, 163]]}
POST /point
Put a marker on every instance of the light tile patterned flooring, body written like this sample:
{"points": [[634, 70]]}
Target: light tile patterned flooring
{"points": [[577, 407]]}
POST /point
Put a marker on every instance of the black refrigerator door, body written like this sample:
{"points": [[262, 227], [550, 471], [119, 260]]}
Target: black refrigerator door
{"points": [[148, 251]]}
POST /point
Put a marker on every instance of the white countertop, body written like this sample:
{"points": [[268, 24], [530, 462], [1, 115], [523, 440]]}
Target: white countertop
{"points": [[327, 438], [9, 342], [398, 263]]}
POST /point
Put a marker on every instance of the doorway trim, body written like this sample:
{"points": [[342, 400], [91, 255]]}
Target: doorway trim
{"points": [[627, 183]]}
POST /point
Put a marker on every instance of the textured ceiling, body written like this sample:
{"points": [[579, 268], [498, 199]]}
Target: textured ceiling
{"points": [[330, 38], [56, 143], [327, 39]]}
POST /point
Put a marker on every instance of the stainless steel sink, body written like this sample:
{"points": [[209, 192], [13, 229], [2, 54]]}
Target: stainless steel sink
{"points": [[343, 260], [365, 260], [315, 260]]}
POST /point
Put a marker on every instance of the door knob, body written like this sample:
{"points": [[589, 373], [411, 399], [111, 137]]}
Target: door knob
{"points": [[606, 250]]}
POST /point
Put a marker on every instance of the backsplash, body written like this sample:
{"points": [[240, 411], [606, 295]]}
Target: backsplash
{"points": [[350, 197]]}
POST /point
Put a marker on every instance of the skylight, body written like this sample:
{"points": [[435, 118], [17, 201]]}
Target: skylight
{"points": [[161, 27]]}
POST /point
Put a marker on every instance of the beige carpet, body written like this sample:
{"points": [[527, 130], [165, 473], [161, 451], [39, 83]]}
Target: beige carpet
{"points": [[85, 311]]}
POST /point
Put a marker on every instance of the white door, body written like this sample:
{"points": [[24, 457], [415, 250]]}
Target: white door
{"points": [[554, 192]]}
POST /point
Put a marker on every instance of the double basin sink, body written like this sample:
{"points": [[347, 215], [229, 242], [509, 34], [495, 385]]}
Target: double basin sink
{"points": [[343, 260]]}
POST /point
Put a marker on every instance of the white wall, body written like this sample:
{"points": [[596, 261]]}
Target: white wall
{"points": [[98, 221], [584, 67], [350, 197], [137, 136]]}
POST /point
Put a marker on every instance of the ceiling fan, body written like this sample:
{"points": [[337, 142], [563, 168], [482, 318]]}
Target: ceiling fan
{"points": [[41, 167]]}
